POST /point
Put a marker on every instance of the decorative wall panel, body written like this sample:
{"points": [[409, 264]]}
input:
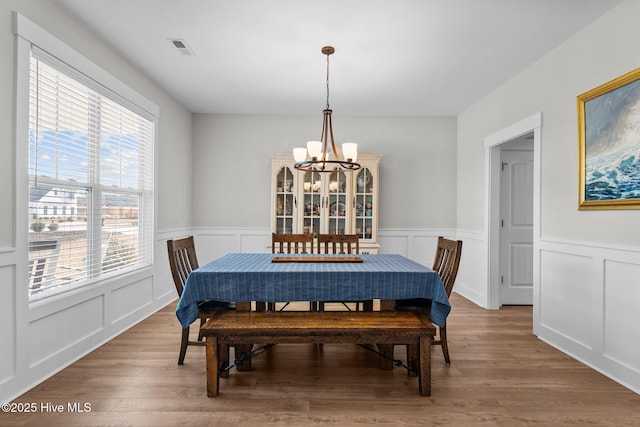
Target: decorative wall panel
{"points": [[569, 296], [622, 313], [8, 321], [58, 331]]}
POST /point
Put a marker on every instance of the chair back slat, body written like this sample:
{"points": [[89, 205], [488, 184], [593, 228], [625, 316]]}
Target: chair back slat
{"points": [[338, 244], [182, 260], [447, 261], [291, 243]]}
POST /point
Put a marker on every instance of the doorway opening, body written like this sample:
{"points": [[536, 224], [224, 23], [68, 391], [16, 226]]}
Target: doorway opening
{"points": [[494, 144], [516, 221]]}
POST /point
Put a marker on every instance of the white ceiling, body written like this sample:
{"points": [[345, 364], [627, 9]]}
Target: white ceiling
{"points": [[393, 57]]}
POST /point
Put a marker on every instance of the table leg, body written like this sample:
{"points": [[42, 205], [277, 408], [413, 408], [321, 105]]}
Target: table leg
{"points": [[245, 349], [244, 306], [413, 362], [241, 351], [387, 305], [424, 376], [223, 351], [386, 360], [213, 368], [367, 305]]}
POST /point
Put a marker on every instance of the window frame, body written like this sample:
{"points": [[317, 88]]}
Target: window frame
{"points": [[29, 36]]}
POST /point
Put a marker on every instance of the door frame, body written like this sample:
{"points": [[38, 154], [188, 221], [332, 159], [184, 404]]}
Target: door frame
{"points": [[493, 165]]}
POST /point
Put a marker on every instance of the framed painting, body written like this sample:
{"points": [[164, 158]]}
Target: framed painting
{"points": [[609, 145]]}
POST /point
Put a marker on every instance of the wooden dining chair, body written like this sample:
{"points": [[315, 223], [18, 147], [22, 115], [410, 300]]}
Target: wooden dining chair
{"points": [[291, 243], [338, 244], [183, 260], [446, 263], [342, 244], [298, 243]]}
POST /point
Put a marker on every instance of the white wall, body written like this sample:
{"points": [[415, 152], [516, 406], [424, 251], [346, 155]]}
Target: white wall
{"points": [[599, 53], [41, 338], [417, 170], [589, 261]]}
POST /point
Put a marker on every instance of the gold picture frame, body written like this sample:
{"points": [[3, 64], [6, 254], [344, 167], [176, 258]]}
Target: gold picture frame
{"points": [[609, 145]]}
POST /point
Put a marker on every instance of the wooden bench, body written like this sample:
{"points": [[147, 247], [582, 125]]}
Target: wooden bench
{"points": [[378, 327]]}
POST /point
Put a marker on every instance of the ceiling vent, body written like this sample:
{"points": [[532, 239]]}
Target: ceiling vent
{"points": [[182, 47]]}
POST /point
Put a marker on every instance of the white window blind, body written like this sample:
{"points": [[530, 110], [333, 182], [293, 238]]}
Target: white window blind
{"points": [[90, 180]]}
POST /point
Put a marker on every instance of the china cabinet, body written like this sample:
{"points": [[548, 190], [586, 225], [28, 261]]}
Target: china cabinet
{"points": [[338, 202]]}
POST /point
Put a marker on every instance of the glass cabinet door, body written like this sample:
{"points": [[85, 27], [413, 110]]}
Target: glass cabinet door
{"points": [[285, 200], [365, 203], [312, 202], [338, 204], [332, 202]]}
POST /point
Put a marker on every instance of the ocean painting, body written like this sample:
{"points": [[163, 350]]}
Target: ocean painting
{"points": [[612, 145]]}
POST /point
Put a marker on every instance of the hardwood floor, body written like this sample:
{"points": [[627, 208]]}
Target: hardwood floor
{"points": [[500, 375]]}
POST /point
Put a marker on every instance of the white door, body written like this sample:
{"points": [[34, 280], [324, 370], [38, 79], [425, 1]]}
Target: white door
{"points": [[516, 231]]}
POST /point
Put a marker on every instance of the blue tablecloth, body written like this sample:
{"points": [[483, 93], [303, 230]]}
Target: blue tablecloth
{"points": [[253, 277]]}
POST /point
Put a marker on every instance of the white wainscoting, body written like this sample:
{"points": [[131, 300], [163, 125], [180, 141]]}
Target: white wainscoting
{"points": [[8, 322], [588, 301], [60, 331], [417, 245], [472, 278], [212, 243], [126, 300], [589, 306], [42, 338]]}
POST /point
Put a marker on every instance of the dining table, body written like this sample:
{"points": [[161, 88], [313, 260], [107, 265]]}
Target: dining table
{"points": [[266, 277]]}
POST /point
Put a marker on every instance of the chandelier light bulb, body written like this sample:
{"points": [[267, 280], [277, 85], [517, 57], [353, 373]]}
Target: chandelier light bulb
{"points": [[350, 151], [300, 154], [314, 148]]}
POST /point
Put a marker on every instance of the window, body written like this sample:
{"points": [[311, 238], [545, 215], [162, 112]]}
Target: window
{"points": [[90, 163]]}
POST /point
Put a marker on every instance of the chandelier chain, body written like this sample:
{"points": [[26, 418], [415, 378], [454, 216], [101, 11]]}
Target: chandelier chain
{"points": [[327, 81]]}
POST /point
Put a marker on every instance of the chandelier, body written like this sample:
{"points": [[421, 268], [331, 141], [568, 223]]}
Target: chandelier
{"points": [[320, 159]]}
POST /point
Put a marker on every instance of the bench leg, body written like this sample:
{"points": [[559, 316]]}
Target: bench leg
{"points": [[424, 377], [213, 366], [412, 359]]}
